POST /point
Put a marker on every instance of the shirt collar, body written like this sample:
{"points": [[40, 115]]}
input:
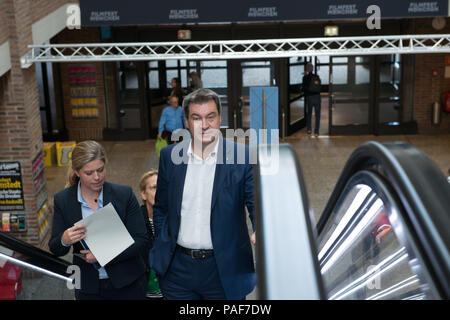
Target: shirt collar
{"points": [[212, 155], [83, 201]]}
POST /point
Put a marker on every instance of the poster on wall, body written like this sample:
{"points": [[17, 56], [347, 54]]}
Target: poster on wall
{"points": [[11, 190]]}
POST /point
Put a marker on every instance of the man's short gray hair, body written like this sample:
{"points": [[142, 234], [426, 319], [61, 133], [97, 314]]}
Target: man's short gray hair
{"points": [[201, 96]]}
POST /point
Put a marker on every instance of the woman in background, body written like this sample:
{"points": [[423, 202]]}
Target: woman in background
{"points": [[147, 185]]}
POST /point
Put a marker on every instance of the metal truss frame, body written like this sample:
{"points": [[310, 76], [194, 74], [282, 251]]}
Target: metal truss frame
{"points": [[237, 49]]}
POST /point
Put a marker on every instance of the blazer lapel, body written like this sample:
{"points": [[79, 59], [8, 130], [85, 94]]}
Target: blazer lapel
{"points": [[179, 175], [221, 170], [106, 194], [74, 205]]}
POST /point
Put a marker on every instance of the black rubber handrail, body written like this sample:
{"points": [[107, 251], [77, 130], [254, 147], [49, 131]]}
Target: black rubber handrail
{"points": [[34, 255], [423, 192]]}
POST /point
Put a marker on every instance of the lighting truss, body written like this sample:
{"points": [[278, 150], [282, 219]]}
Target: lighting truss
{"points": [[237, 49]]}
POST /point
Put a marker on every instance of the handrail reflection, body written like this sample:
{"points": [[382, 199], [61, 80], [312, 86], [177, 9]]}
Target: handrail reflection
{"points": [[374, 272]]}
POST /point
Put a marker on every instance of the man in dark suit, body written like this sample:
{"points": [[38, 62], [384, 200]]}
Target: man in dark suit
{"points": [[202, 248], [124, 276], [311, 86]]}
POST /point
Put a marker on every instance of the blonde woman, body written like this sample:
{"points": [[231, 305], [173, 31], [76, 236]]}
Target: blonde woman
{"points": [[85, 193], [147, 186]]}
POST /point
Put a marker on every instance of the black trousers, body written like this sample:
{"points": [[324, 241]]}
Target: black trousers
{"points": [[168, 136], [134, 291], [313, 101], [192, 279]]}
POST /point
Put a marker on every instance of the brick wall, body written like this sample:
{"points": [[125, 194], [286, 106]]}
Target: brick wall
{"points": [[20, 121], [429, 88], [3, 24], [41, 8]]}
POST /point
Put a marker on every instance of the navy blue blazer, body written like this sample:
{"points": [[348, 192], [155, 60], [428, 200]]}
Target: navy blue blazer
{"points": [[232, 192], [126, 267]]}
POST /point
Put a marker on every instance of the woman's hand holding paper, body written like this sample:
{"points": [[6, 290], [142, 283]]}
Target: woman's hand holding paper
{"points": [[74, 234]]}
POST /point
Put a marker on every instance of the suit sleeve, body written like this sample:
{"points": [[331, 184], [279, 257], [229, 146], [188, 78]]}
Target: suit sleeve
{"points": [[249, 194], [58, 228], [160, 207], [135, 224]]}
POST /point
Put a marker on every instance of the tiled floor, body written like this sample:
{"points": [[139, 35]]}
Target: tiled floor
{"points": [[322, 159]]}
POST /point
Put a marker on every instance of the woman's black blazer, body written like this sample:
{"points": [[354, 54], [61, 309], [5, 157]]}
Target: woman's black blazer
{"points": [[126, 267]]}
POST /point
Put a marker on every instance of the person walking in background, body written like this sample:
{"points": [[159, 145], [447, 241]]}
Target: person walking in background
{"points": [[202, 246], [311, 86], [172, 118], [147, 186], [85, 193], [194, 82], [177, 90]]}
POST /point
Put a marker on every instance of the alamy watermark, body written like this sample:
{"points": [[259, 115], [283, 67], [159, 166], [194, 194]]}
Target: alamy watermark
{"points": [[374, 20], [258, 142], [374, 282], [75, 276], [73, 20]]}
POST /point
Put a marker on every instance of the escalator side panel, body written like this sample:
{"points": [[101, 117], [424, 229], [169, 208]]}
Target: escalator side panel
{"points": [[365, 249], [424, 196]]}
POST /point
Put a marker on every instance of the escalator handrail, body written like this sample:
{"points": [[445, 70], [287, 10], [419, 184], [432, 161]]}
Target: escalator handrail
{"points": [[35, 256], [424, 194], [307, 276]]}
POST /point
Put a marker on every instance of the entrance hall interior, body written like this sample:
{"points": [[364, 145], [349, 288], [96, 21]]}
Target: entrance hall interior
{"points": [[360, 94]]}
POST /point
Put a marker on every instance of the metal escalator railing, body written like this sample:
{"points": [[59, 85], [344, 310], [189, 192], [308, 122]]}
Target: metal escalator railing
{"points": [[36, 256], [365, 250], [384, 232], [28, 273], [286, 264]]}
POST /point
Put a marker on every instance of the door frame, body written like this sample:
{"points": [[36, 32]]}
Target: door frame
{"points": [[142, 132], [374, 126], [280, 74], [352, 129]]}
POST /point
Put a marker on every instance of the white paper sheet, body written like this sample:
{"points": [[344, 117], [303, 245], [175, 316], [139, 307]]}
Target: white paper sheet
{"points": [[106, 234]]}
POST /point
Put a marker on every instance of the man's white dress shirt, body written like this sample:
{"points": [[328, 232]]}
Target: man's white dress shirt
{"points": [[195, 228]]}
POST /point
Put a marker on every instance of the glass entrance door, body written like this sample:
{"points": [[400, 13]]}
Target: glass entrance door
{"points": [[254, 73], [133, 117], [296, 108], [371, 95], [395, 114], [350, 95]]}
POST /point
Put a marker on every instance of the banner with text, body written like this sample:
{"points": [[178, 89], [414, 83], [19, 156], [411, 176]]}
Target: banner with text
{"points": [[11, 191], [138, 12]]}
